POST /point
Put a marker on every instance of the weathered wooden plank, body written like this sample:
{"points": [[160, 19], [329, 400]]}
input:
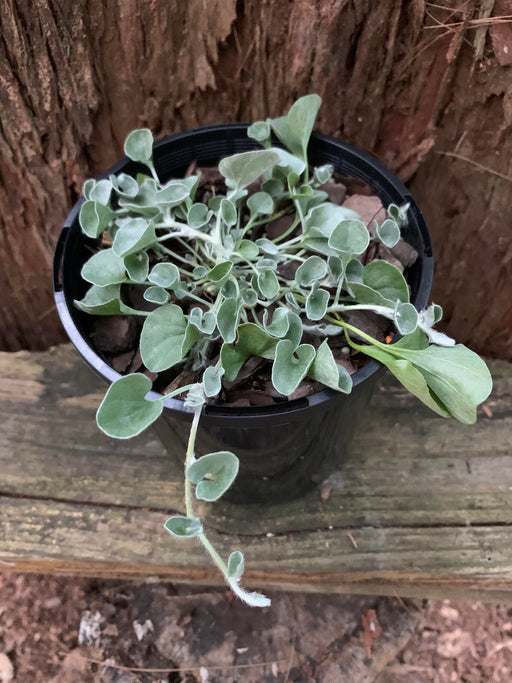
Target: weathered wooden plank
{"points": [[45, 536], [427, 501], [407, 465]]}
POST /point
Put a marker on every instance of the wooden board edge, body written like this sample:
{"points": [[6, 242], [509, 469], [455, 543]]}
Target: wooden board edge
{"points": [[487, 588]]}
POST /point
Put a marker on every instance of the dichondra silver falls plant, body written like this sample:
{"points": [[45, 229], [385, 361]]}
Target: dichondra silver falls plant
{"points": [[220, 295]]}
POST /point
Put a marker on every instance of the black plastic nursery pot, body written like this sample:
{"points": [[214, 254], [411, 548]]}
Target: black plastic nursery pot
{"points": [[283, 448]]}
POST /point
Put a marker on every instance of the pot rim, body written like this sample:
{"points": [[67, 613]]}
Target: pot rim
{"points": [[376, 175]]}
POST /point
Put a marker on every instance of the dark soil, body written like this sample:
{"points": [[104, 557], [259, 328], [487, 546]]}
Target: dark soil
{"points": [[69, 630]]}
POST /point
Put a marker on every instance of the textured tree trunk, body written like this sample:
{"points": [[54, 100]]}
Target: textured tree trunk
{"points": [[406, 80]]}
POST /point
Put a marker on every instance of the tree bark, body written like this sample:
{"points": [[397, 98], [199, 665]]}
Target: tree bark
{"points": [[406, 80]]}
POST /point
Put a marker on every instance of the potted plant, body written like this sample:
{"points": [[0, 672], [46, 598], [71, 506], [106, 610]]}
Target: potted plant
{"points": [[259, 275]]}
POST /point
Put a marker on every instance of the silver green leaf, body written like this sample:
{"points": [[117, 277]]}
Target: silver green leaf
{"points": [[267, 246], [104, 268], [291, 365], [199, 272], [230, 289], [322, 219], [268, 284], [387, 280], [204, 321], [137, 266], [228, 212], [292, 302], [350, 237], [280, 322], [124, 411], [307, 203], [323, 173], [198, 215], [431, 315], [354, 271], [325, 369], [389, 233], [405, 318], [316, 304], [294, 129], [212, 380], [290, 162], [156, 295], [165, 275], [195, 396], [228, 316], [248, 249], [450, 380], [235, 565], [311, 270], [166, 338], [184, 527], [439, 338], [214, 203], [133, 235], [172, 194], [220, 273], [295, 329], [213, 474], [104, 301], [235, 569], [250, 598], [268, 261], [125, 185], [260, 203], [145, 201], [249, 296], [427, 319], [138, 146], [87, 188], [273, 187], [240, 170], [335, 270], [382, 284], [94, 218], [101, 192], [259, 131], [399, 213]]}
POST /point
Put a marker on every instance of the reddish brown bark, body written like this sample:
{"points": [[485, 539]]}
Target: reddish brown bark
{"points": [[405, 80]]}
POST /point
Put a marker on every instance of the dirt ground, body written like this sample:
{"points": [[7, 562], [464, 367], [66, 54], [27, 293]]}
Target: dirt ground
{"points": [[67, 630]]}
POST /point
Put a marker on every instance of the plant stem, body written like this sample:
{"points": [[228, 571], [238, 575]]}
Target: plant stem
{"points": [[170, 252], [189, 459], [153, 171], [215, 556], [293, 257], [187, 246], [176, 392], [199, 300], [338, 291], [298, 208], [218, 230], [263, 221], [291, 242], [184, 230], [357, 331], [384, 311]]}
